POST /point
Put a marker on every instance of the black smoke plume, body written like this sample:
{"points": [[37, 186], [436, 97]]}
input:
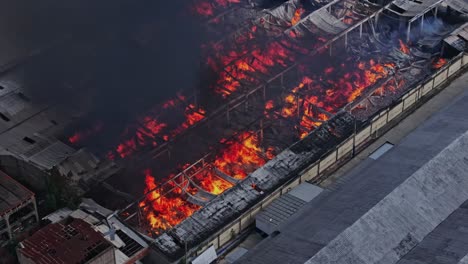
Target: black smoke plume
{"points": [[109, 60]]}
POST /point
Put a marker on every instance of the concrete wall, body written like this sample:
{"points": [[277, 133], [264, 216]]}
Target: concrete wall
{"points": [[343, 150], [24, 172], [10, 224]]}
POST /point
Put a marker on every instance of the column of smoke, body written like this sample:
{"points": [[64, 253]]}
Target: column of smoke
{"points": [[121, 58]]}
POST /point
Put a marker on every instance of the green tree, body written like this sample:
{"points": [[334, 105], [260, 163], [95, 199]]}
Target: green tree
{"points": [[60, 193]]}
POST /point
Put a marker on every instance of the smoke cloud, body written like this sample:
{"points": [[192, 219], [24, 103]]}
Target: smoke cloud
{"points": [[111, 59]]}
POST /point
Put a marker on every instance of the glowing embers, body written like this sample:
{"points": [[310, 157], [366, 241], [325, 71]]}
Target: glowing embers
{"points": [[438, 63], [318, 96], [249, 70], [208, 8], [150, 131], [164, 206], [81, 135], [368, 74]]}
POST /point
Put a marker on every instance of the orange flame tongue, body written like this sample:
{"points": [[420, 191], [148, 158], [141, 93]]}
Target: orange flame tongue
{"points": [[212, 183], [437, 64], [403, 47], [297, 15]]}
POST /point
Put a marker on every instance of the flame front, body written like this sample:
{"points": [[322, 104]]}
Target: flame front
{"points": [[164, 211], [241, 157]]}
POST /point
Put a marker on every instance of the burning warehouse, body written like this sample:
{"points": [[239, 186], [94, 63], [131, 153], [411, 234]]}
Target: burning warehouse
{"points": [[284, 85], [292, 82], [287, 85]]}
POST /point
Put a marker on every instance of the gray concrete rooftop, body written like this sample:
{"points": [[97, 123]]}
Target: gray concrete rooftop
{"points": [[354, 194]]}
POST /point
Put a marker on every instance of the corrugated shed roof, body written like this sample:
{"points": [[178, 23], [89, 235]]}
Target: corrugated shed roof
{"points": [[12, 193]]}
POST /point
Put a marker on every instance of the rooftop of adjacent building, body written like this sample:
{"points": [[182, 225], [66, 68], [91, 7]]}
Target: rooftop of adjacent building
{"points": [[12, 193], [128, 245], [31, 132], [68, 241]]}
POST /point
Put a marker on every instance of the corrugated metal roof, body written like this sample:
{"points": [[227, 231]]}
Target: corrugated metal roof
{"points": [[464, 34], [412, 8], [459, 5], [13, 103], [327, 22], [281, 209], [52, 155]]}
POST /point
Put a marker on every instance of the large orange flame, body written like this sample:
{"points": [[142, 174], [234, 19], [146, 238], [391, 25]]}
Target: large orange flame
{"points": [[212, 183], [164, 211], [241, 157]]}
